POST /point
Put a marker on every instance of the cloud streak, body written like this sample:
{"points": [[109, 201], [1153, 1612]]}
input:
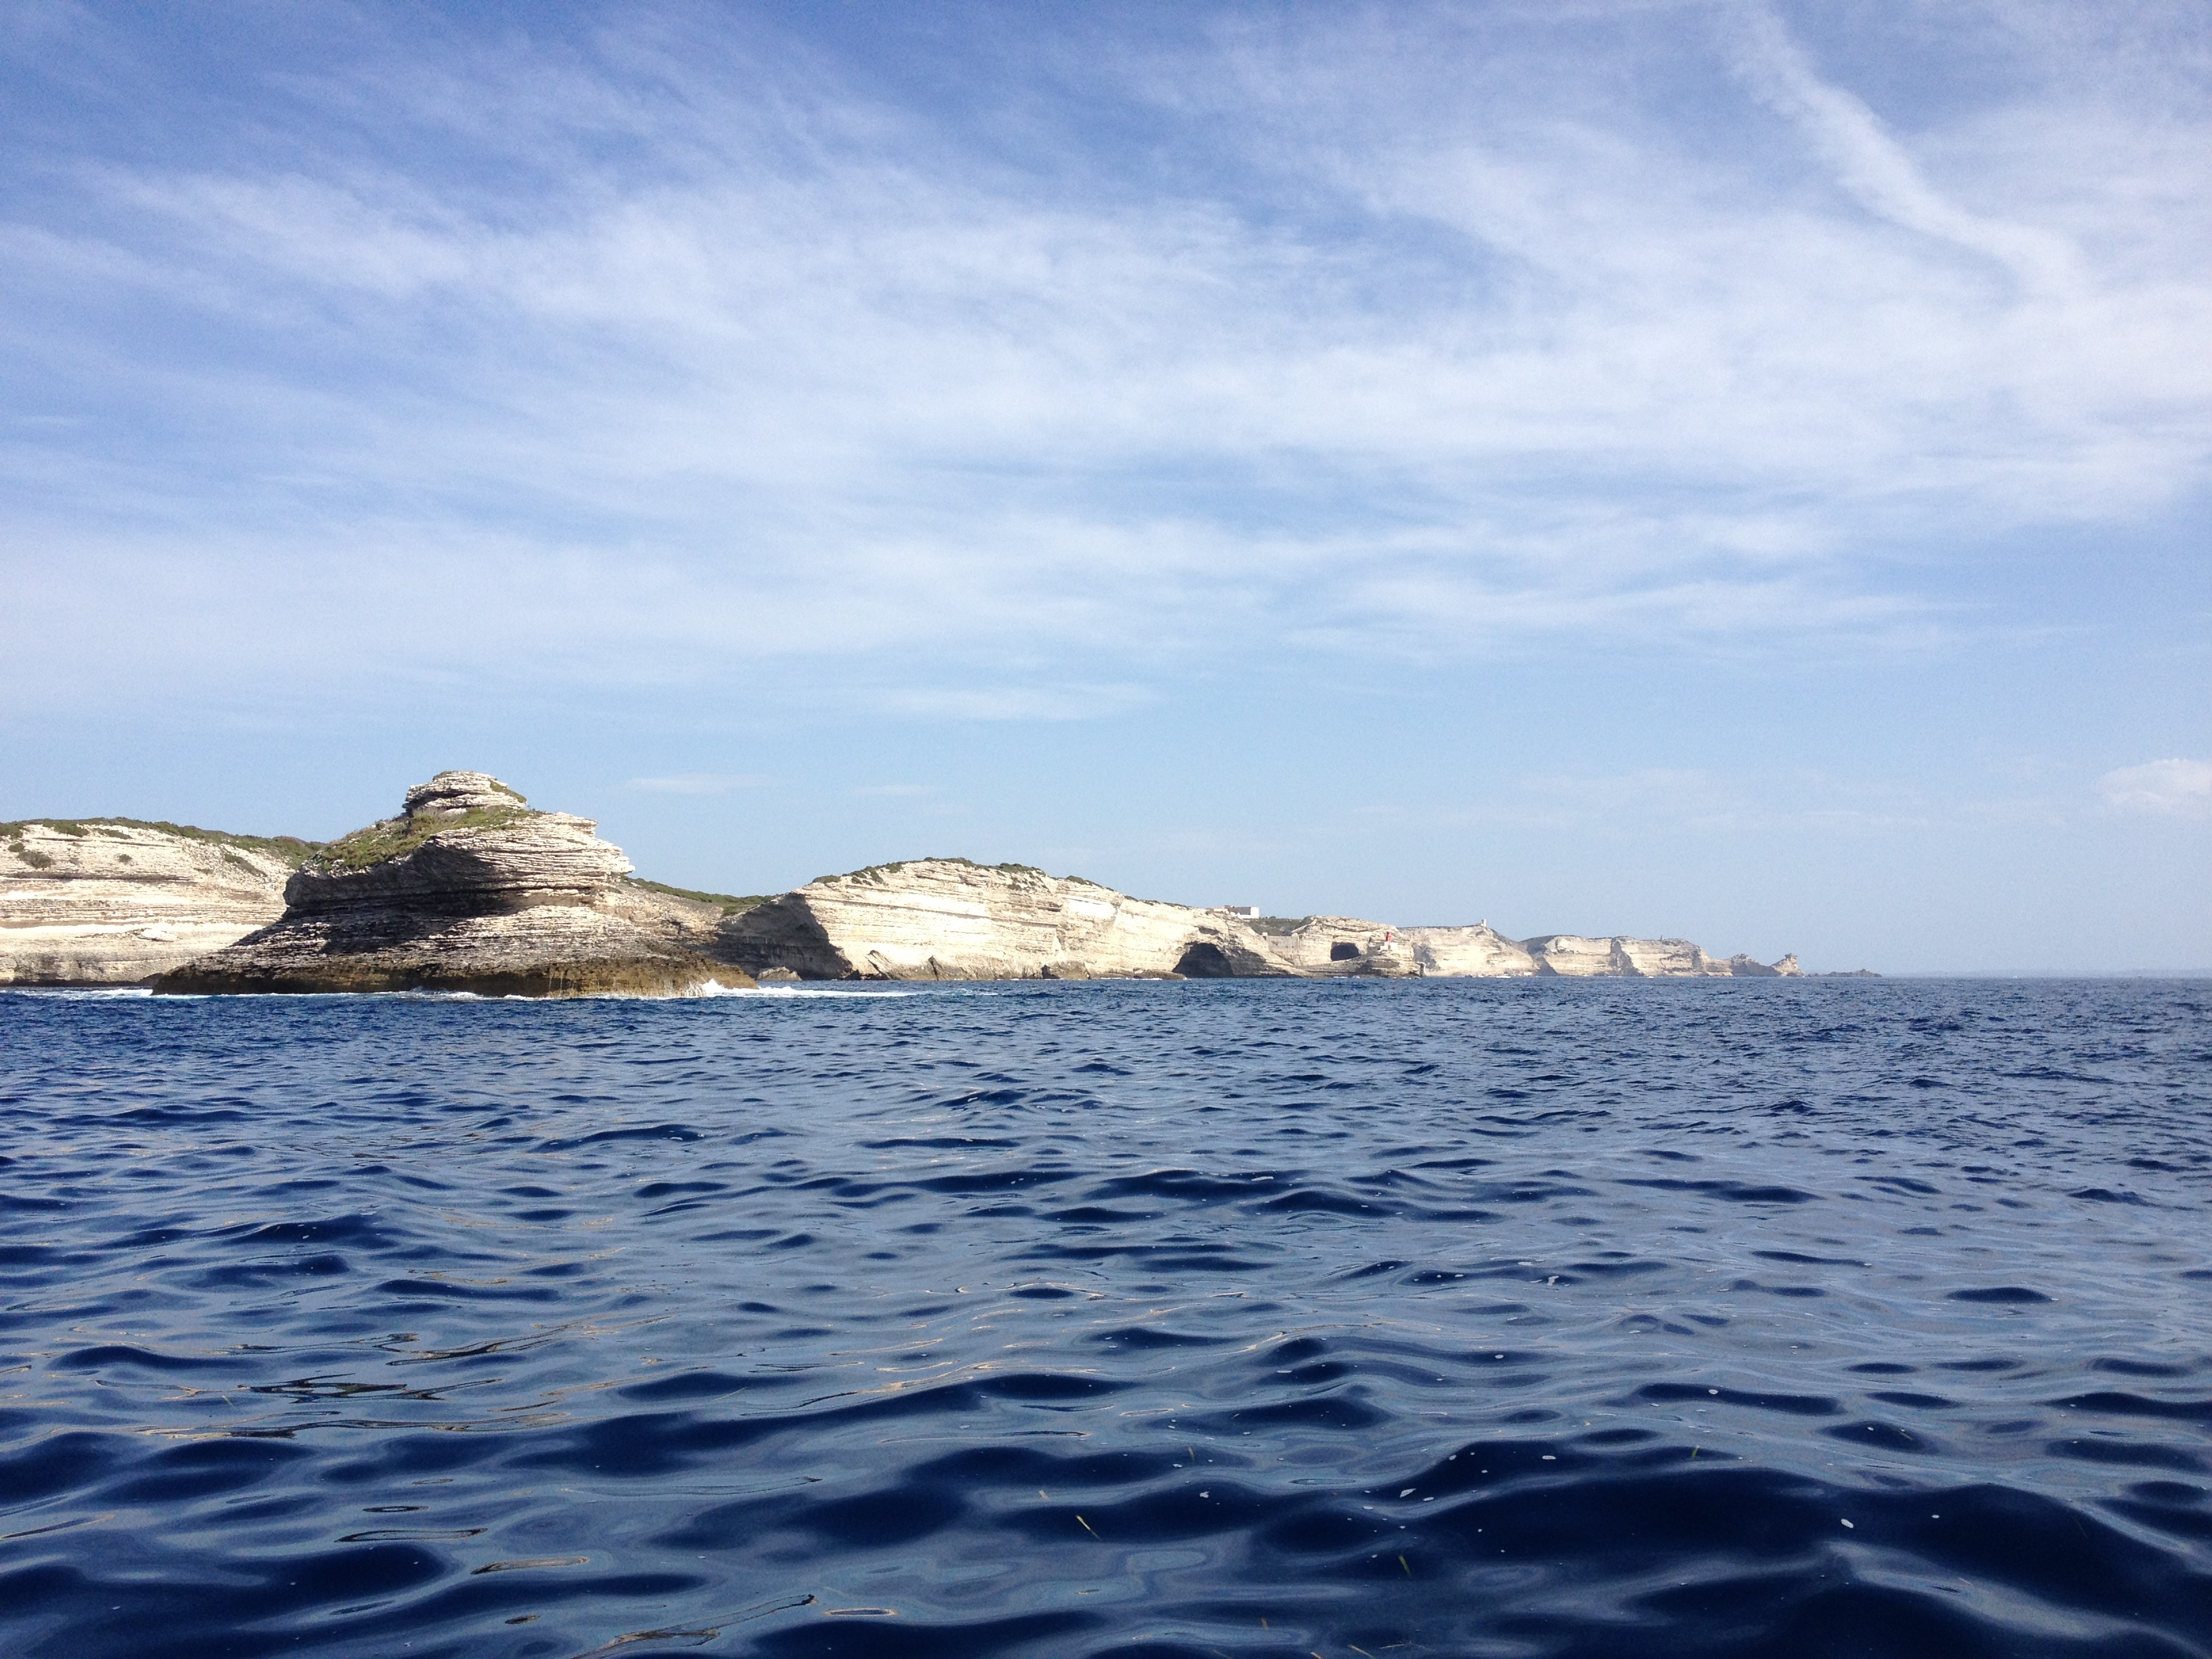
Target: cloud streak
{"points": [[2173, 787], [677, 363]]}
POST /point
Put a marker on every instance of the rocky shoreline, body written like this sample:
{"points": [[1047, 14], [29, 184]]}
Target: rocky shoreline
{"points": [[468, 888]]}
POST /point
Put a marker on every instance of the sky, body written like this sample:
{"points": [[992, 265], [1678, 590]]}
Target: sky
{"points": [[1716, 469]]}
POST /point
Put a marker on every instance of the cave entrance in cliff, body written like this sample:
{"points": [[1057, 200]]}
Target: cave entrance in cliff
{"points": [[1204, 961], [1343, 950]]}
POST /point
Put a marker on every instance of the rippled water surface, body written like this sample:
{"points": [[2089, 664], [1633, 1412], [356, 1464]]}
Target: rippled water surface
{"points": [[1411, 1318]]}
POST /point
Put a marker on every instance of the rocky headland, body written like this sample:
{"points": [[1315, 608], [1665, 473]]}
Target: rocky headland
{"points": [[949, 919], [112, 900], [469, 889]]}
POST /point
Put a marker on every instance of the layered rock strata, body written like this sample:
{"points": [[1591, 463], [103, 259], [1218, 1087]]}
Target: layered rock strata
{"points": [[947, 919], [469, 889], [108, 902], [1342, 947]]}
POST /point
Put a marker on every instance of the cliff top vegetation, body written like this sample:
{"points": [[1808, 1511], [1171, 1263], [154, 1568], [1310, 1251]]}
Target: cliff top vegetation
{"points": [[392, 838], [730, 904], [291, 849]]}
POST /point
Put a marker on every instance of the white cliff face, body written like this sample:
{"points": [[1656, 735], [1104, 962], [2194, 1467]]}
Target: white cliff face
{"points": [[1345, 947], [1571, 956], [112, 903], [1477, 953], [949, 919]]}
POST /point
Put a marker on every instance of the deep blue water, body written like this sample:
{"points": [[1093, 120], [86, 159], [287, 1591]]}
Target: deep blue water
{"points": [[1531, 1318]]}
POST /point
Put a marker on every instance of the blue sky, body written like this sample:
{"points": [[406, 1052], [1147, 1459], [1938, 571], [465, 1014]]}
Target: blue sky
{"points": [[1723, 470]]}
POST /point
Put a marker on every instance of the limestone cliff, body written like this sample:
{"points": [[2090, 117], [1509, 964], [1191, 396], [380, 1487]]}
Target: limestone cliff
{"points": [[1342, 947], [112, 900], [1573, 956], [1480, 951], [468, 889], [950, 919], [947, 919]]}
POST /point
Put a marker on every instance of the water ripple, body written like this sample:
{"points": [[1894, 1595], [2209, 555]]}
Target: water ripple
{"points": [[1530, 1319]]}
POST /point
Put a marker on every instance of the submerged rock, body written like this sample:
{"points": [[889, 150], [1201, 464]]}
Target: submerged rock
{"points": [[113, 901], [469, 889]]}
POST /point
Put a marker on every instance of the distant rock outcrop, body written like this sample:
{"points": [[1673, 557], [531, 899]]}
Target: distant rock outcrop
{"points": [[1570, 955], [469, 889], [948, 919], [112, 900]]}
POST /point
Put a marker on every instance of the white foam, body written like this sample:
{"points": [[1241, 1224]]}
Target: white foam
{"points": [[76, 993], [715, 988]]}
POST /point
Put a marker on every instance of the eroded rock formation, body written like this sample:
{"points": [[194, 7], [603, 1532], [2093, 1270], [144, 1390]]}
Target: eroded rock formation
{"points": [[947, 919], [1480, 951], [469, 889], [1573, 956], [110, 902]]}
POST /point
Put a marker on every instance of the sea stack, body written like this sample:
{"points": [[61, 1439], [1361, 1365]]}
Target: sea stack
{"points": [[469, 889]]}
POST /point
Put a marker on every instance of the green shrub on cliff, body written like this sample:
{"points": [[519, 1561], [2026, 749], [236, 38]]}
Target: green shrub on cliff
{"points": [[396, 837], [291, 849], [729, 904]]}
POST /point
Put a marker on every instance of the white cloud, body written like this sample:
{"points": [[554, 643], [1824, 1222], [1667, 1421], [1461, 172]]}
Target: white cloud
{"points": [[2176, 785], [1442, 347]]}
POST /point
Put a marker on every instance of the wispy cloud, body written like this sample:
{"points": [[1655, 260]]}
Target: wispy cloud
{"points": [[2174, 786], [684, 364]]}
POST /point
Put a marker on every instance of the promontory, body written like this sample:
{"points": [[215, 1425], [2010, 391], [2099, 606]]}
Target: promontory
{"points": [[469, 889]]}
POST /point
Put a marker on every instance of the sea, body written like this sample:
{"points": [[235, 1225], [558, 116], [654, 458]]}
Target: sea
{"points": [[1555, 1319]]}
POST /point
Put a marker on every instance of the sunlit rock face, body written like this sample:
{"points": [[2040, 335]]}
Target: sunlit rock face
{"points": [[950, 919], [469, 889], [1480, 951], [1345, 947], [99, 903]]}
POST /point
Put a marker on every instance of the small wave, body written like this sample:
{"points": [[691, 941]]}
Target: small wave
{"points": [[1106, 1321], [76, 992], [714, 988]]}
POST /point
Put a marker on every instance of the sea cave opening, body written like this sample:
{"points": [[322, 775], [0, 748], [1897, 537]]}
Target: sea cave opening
{"points": [[1343, 950], [1204, 961]]}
